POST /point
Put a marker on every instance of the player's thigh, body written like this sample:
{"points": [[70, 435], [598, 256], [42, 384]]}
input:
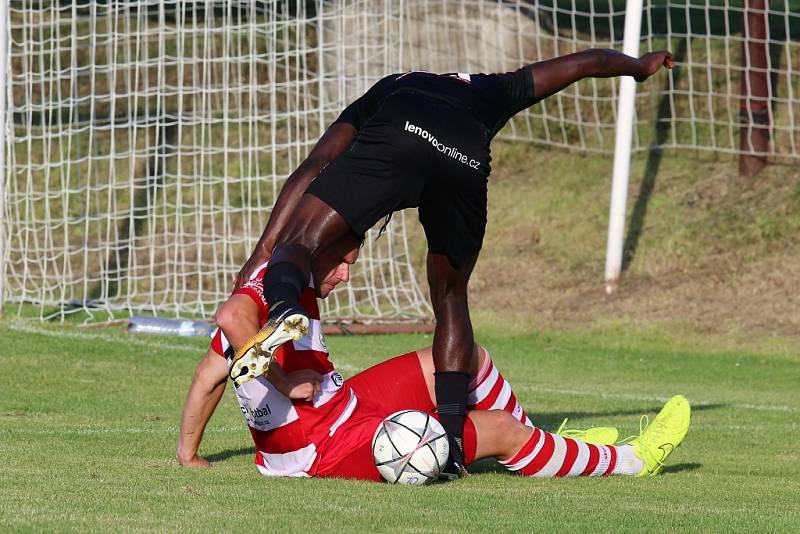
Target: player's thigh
{"points": [[400, 383], [241, 309], [453, 206], [240, 317], [348, 454], [314, 225], [454, 233], [386, 168]]}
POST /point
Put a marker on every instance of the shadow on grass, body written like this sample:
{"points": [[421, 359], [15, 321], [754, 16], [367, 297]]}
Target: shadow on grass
{"points": [[551, 421], [679, 468], [489, 466], [492, 466], [230, 453], [662, 130]]}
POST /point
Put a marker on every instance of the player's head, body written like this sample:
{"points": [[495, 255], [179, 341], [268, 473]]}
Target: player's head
{"points": [[332, 265]]}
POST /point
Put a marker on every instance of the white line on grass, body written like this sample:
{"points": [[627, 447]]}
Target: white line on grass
{"points": [[21, 326], [128, 339], [111, 430]]}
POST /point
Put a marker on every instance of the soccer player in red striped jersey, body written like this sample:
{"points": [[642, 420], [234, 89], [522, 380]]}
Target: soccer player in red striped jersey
{"points": [[302, 382], [306, 421]]}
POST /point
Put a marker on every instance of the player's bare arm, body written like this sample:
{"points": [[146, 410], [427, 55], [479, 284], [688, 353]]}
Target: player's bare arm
{"points": [[553, 75], [204, 394], [332, 143], [206, 391]]}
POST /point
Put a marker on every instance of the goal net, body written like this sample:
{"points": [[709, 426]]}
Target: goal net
{"points": [[146, 141]]}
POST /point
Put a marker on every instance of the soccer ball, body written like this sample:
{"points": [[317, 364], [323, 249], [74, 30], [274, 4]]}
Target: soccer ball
{"points": [[410, 447]]}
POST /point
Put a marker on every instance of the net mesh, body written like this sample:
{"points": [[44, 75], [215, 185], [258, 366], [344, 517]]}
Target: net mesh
{"points": [[147, 140]]}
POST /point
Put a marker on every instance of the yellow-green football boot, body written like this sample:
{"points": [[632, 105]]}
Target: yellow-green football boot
{"points": [[598, 435], [657, 440]]}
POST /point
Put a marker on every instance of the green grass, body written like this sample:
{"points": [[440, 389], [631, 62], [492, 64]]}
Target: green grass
{"points": [[88, 430]]}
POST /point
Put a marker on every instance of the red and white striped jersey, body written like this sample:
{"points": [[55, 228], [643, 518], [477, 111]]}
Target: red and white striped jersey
{"points": [[288, 433]]}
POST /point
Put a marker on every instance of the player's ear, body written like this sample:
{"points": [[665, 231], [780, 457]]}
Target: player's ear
{"points": [[344, 271]]}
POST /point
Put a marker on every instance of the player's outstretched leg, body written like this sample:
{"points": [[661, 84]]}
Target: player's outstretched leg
{"points": [[535, 452], [549, 455]]}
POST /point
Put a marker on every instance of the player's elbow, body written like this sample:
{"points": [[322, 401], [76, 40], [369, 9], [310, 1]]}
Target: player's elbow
{"points": [[597, 61]]}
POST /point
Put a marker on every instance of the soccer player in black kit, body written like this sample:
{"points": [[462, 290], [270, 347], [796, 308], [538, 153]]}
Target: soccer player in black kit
{"points": [[421, 140]]}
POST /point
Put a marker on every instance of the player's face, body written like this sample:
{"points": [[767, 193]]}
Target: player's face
{"points": [[332, 267]]}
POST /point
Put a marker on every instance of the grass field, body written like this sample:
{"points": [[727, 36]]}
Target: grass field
{"points": [[88, 431]]}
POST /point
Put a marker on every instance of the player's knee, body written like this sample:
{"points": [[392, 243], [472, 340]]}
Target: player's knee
{"points": [[509, 430], [229, 315]]}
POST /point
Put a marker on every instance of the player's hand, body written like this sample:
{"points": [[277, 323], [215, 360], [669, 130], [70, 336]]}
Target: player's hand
{"points": [[304, 384], [653, 61], [193, 460]]}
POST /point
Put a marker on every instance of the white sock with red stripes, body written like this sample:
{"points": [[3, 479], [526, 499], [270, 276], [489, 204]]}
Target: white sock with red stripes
{"points": [[548, 455], [490, 391]]}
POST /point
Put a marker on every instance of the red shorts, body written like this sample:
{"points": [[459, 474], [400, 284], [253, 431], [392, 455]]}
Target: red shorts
{"points": [[391, 386]]}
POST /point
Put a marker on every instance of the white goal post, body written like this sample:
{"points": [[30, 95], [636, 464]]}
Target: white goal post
{"points": [[742, 99], [3, 102], [146, 141]]}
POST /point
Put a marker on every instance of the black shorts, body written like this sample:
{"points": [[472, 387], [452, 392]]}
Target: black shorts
{"points": [[415, 151]]}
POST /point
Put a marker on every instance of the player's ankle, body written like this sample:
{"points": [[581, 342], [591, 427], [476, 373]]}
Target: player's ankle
{"points": [[283, 285], [451, 404], [627, 461]]}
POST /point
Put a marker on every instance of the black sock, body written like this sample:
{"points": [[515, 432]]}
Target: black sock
{"points": [[451, 404], [283, 285]]}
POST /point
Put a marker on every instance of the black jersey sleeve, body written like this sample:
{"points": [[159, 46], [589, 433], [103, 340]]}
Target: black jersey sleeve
{"points": [[504, 95], [518, 86], [359, 111]]}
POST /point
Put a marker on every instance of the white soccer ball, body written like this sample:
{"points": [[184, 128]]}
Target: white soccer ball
{"points": [[410, 447]]}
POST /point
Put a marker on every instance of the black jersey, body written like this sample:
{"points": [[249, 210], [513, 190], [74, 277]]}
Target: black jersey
{"points": [[492, 98]]}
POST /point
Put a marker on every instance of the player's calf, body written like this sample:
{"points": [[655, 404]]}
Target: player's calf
{"points": [[535, 452], [489, 390], [549, 455]]}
